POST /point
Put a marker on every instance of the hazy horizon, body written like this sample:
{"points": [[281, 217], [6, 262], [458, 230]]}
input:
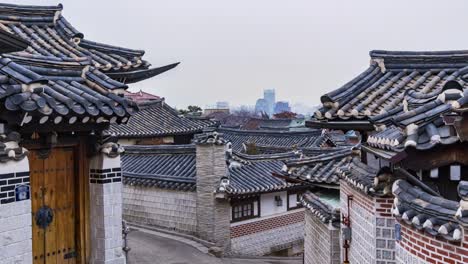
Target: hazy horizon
{"points": [[232, 51]]}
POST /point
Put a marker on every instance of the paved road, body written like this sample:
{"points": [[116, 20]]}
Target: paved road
{"points": [[152, 249]]}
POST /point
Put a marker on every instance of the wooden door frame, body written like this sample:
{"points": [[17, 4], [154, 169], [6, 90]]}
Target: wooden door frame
{"points": [[81, 164]]}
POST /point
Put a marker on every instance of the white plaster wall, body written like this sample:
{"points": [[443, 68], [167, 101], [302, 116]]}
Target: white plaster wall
{"points": [[293, 200], [14, 166], [268, 204]]}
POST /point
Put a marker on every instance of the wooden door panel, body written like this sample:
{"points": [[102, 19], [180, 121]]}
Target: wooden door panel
{"points": [[56, 181], [36, 183]]}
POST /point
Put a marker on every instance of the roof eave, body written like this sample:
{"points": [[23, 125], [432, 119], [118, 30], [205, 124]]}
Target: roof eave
{"points": [[11, 43], [140, 75], [363, 125]]}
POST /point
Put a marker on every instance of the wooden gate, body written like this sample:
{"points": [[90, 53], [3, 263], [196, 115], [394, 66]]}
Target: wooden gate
{"points": [[53, 197]]}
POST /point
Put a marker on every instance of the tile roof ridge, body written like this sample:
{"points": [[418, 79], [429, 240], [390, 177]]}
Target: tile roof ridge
{"points": [[279, 132], [160, 149], [395, 53], [267, 156]]}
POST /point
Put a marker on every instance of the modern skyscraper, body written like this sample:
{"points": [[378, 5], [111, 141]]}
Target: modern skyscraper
{"points": [[261, 106], [282, 106], [270, 98]]}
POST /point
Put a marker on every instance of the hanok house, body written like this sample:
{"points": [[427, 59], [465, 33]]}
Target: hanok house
{"points": [[231, 200], [158, 123], [424, 143], [60, 181], [267, 141], [321, 169], [410, 108]]}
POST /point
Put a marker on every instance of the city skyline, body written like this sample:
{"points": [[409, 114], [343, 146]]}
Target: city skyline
{"points": [[229, 49]]}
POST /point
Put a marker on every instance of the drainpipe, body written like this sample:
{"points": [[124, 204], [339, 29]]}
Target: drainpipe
{"points": [[347, 231], [125, 231]]}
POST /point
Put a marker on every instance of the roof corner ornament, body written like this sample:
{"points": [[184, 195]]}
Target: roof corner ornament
{"points": [[221, 192], [108, 145], [210, 138], [411, 135], [57, 15], [381, 63], [10, 148], [84, 71]]}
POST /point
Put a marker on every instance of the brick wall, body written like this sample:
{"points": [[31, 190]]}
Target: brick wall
{"points": [[372, 227], [264, 236], [321, 241], [164, 208], [417, 247]]}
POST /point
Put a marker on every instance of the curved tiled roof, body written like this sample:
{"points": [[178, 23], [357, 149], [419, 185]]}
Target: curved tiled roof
{"points": [[322, 209], [254, 173], [280, 139], [367, 179], [174, 167], [156, 118], [164, 166], [55, 89], [52, 37], [426, 121], [381, 88], [320, 168], [283, 124], [435, 215]]}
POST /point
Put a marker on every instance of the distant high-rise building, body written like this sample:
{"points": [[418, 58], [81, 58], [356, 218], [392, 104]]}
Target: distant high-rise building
{"points": [[222, 105], [282, 106], [261, 106], [270, 98]]}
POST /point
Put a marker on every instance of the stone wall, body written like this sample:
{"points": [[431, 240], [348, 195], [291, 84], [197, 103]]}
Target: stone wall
{"points": [[15, 232], [15, 216], [213, 215], [417, 247], [372, 227], [105, 190], [260, 237], [321, 241], [171, 209]]}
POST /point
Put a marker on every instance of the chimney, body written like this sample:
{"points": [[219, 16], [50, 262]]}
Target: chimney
{"points": [[213, 214]]}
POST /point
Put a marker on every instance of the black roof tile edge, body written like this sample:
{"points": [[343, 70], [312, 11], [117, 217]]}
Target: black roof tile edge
{"points": [[323, 211]]}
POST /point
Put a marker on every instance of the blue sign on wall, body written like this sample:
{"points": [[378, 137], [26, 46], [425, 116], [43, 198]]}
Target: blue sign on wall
{"points": [[22, 192], [398, 232]]}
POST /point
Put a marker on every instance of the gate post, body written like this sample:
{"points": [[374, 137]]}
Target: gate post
{"points": [[15, 202], [106, 205]]}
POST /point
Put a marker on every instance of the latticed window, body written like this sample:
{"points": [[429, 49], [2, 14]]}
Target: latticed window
{"points": [[245, 209]]}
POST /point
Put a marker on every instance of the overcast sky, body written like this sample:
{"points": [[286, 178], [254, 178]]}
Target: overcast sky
{"points": [[232, 50]]}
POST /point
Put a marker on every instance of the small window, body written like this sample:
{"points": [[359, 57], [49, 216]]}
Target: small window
{"points": [[455, 173], [434, 173], [294, 199], [244, 209]]}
